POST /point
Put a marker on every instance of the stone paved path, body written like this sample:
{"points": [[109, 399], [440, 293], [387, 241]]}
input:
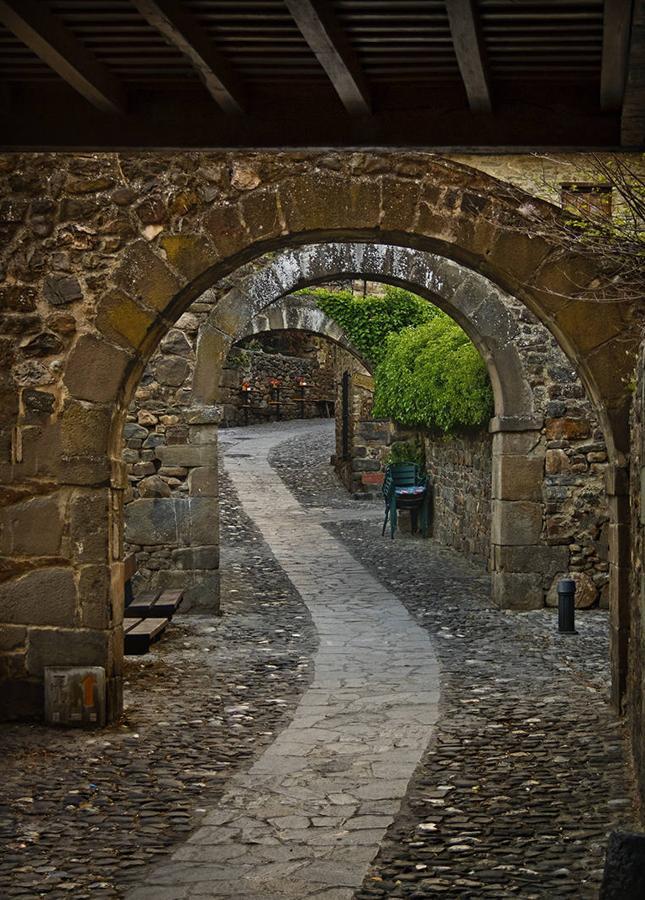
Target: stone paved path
{"points": [[308, 817]]}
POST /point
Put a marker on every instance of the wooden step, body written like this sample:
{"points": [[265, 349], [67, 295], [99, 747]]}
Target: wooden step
{"points": [[140, 633], [155, 604]]}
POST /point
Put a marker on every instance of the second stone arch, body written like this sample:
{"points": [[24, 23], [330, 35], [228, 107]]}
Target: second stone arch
{"points": [[533, 383]]}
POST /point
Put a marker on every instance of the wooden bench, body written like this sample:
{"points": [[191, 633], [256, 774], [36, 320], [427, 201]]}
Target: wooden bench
{"points": [[147, 615], [140, 633], [155, 604]]}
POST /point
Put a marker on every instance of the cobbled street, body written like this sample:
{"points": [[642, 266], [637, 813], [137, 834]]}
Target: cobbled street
{"points": [[516, 766]]}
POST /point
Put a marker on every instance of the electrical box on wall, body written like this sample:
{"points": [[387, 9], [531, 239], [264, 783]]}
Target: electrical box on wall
{"points": [[75, 696]]}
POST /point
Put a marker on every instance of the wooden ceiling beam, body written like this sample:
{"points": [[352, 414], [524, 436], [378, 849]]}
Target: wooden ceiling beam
{"points": [[470, 53], [35, 26], [615, 50], [181, 29], [321, 30]]}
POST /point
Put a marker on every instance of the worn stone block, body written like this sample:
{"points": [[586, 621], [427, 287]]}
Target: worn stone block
{"points": [[198, 520], [261, 213], [151, 521], [60, 290], [122, 320], [41, 597], [34, 527], [12, 638], [95, 369], [400, 202], [546, 561], [146, 277], [88, 524], [85, 428], [567, 429], [190, 254], [516, 443], [94, 594], [224, 224], [63, 647], [512, 590], [517, 478], [172, 370], [326, 200], [516, 522], [202, 482], [188, 455]]}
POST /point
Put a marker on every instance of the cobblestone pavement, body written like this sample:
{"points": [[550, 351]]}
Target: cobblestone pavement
{"points": [[82, 813], [527, 770], [308, 816]]}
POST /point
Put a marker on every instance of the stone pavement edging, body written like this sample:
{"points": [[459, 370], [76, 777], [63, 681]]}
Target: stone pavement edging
{"points": [[308, 817]]}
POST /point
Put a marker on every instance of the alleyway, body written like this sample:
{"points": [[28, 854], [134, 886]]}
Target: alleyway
{"points": [[426, 742]]}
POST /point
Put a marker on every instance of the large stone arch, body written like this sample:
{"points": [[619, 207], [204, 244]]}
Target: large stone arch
{"points": [[519, 558], [140, 285]]}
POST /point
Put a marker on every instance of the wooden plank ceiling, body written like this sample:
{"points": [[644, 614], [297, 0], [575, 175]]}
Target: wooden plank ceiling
{"points": [[271, 73]]}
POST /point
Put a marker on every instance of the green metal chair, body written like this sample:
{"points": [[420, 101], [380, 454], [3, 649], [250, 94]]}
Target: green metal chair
{"points": [[405, 487]]}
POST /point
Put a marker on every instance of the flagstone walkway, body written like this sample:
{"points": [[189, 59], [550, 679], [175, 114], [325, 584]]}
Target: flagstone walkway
{"points": [[308, 817]]}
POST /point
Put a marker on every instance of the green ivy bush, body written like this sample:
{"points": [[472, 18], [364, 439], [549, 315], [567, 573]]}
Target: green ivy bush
{"points": [[432, 376], [369, 320]]}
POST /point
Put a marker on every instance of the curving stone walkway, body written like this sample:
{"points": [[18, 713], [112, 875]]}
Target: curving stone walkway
{"points": [[308, 817]]}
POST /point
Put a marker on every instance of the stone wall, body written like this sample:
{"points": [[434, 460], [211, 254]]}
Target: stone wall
{"points": [[460, 468], [635, 566], [100, 254]]}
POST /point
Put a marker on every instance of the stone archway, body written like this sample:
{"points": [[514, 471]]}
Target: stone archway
{"points": [[65, 446], [520, 559], [174, 531]]}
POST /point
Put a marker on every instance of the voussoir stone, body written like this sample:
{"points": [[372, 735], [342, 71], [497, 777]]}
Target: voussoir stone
{"points": [[95, 369]]}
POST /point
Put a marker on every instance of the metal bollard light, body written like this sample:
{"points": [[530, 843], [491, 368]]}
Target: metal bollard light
{"points": [[567, 606]]}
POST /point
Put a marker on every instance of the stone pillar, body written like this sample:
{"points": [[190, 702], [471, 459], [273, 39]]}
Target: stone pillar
{"points": [[617, 484], [520, 562], [188, 521]]}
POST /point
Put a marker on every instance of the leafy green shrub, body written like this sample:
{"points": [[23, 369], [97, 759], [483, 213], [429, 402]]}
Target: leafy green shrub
{"points": [[369, 320], [432, 376], [407, 452]]}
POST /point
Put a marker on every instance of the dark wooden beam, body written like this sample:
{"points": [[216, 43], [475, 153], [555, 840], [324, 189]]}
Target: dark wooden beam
{"points": [[633, 114], [55, 44], [335, 54], [180, 28], [470, 52], [615, 50]]}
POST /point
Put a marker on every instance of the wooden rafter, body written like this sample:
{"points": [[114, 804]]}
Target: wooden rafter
{"points": [[615, 49], [55, 44], [321, 30], [180, 28], [469, 49]]}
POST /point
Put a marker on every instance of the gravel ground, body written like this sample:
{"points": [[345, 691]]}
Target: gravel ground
{"points": [[81, 813], [527, 771]]}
